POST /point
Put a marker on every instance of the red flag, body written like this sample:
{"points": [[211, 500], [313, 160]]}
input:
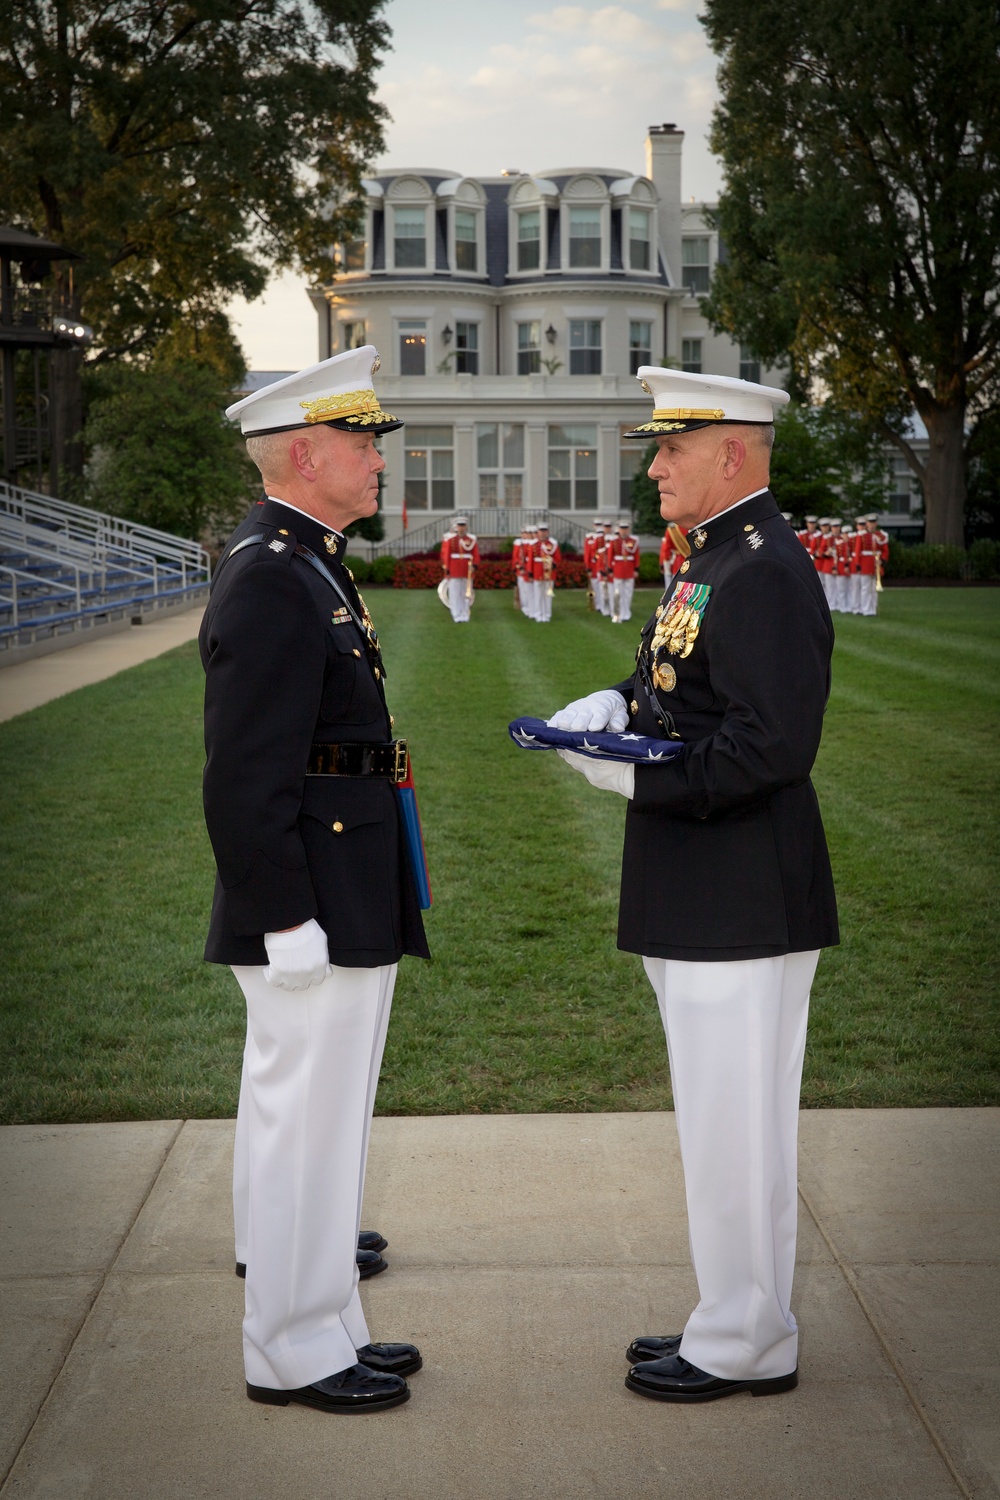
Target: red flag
{"points": [[406, 519]]}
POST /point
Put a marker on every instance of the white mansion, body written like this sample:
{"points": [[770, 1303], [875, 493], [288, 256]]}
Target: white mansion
{"points": [[510, 314]]}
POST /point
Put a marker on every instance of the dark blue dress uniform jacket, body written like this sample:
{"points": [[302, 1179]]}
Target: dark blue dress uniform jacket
{"points": [[280, 675], [725, 856]]}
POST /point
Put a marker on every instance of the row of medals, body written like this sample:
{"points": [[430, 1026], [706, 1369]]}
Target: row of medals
{"points": [[675, 633]]}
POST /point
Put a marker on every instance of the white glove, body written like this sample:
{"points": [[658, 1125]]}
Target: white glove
{"points": [[298, 958], [606, 710], [608, 775]]}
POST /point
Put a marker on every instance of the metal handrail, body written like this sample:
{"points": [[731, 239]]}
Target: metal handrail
{"points": [[492, 520], [53, 583], [102, 532]]}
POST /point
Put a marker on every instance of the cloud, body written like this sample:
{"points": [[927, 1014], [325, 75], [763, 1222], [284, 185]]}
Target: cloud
{"points": [[576, 84]]}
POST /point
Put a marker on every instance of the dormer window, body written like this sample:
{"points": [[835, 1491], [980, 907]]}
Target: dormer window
{"points": [[585, 238], [354, 255], [529, 239], [639, 249], [410, 238], [695, 264], [466, 256]]}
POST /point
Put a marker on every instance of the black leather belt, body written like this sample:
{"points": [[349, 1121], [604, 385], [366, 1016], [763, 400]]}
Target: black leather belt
{"points": [[359, 759]]}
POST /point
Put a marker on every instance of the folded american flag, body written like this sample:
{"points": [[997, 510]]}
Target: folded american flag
{"points": [[535, 734]]}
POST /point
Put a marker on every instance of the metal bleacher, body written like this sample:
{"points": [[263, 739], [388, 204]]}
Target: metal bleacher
{"points": [[65, 570]]}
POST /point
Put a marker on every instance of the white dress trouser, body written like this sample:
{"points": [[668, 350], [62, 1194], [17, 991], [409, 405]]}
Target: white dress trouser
{"points": [[523, 596], [829, 581], [736, 1036], [310, 1070], [623, 589], [842, 586], [458, 600], [867, 595], [855, 593], [544, 601]]}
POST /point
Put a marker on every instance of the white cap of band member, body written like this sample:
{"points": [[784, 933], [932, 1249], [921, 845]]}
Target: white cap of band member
{"points": [[460, 521], [338, 392], [684, 402]]}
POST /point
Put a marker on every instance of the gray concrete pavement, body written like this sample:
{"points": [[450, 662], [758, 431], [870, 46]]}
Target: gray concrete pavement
{"points": [[26, 684], [525, 1252]]}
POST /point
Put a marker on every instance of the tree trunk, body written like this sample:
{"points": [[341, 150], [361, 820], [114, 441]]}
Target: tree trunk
{"points": [[66, 421], [944, 480]]}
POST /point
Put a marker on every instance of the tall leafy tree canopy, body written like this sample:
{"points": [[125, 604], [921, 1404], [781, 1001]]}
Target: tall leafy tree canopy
{"points": [[861, 212], [185, 147]]}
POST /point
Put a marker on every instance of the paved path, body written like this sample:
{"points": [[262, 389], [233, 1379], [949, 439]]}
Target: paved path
{"points": [[525, 1252], [27, 684]]}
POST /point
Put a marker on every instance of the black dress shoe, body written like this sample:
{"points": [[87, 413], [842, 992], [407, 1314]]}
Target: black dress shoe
{"points": [[391, 1359], [370, 1263], [674, 1379], [652, 1346], [370, 1239], [357, 1388]]}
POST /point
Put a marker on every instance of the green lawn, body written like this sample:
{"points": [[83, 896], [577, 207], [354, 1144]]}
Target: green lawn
{"points": [[108, 1012]]}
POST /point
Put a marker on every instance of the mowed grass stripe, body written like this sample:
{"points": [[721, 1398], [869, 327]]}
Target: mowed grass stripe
{"points": [[525, 874], [108, 1012]]}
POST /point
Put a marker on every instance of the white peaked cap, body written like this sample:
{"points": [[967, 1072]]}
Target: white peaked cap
{"points": [[683, 402], [337, 391], [460, 521]]}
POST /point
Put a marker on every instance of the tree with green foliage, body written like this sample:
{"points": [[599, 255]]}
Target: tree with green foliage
{"points": [[861, 211], [184, 149], [162, 451], [822, 460], [646, 516]]}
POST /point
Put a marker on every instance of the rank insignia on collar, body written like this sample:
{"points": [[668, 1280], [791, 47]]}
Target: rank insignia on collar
{"points": [[700, 538], [331, 544]]}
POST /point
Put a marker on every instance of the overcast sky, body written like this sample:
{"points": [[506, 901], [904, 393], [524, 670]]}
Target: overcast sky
{"points": [[478, 88]]}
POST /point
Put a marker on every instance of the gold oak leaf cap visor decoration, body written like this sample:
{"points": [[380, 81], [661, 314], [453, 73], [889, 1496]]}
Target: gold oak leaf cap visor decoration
{"points": [[338, 392], [684, 402]]}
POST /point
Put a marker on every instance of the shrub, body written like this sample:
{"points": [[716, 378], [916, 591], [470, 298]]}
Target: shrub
{"points": [[984, 559], [649, 568], [383, 569], [361, 569], [416, 573], [925, 560]]}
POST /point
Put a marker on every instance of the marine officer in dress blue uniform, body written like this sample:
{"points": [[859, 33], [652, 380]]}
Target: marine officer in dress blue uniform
{"points": [[726, 885], [314, 899]]}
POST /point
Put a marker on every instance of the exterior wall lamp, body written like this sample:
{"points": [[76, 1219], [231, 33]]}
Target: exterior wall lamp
{"points": [[446, 334], [550, 334]]}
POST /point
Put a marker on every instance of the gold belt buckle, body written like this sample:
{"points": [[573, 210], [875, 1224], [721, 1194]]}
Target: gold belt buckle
{"points": [[401, 760]]}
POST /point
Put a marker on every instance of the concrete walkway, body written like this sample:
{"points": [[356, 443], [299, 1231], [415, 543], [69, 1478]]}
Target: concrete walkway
{"points": [[27, 684], [525, 1252]]}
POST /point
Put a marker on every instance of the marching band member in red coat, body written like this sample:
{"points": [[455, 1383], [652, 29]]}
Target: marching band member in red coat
{"points": [[591, 544], [807, 536], [459, 559], [673, 550], [871, 553], [823, 550], [840, 584], [545, 557], [521, 564], [624, 571]]}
